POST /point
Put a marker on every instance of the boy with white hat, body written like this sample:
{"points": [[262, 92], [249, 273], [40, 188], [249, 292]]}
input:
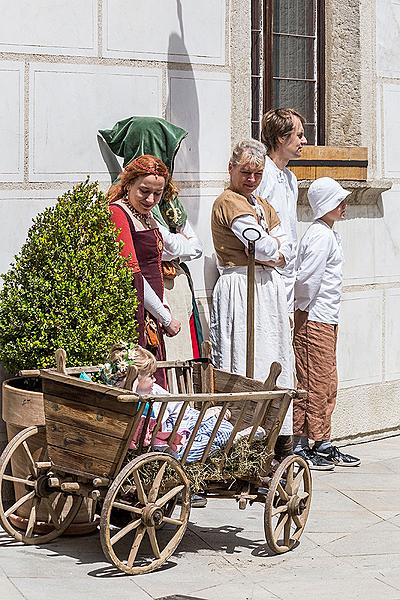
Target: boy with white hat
{"points": [[317, 302]]}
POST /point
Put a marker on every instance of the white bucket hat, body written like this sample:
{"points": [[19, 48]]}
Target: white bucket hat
{"points": [[325, 194]]}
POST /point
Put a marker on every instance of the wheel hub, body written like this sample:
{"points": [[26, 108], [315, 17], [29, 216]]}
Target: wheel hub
{"points": [[152, 515], [42, 487], [296, 506]]}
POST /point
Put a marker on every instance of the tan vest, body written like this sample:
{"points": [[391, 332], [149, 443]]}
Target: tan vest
{"points": [[227, 207]]}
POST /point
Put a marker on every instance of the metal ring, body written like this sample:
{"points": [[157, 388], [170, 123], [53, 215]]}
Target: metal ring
{"points": [[251, 235]]}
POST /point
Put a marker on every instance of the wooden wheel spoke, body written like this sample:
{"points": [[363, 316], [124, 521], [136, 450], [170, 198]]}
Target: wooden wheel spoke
{"points": [[58, 506], [282, 493], [139, 488], [281, 523], [303, 495], [289, 479], [124, 531], [300, 526], [54, 517], [151, 531], [152, 497], [43, 454], [171, 521], [32, 517], [28, 482], [286, 532], [136, 544], [127, 507], [297, 481], [19, 503], [297, 521], [32, 465], [279, 509], [174, 492]]}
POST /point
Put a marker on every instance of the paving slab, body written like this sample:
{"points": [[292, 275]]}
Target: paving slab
{"points": [[382, 503], [9, 591], [380, 538]]}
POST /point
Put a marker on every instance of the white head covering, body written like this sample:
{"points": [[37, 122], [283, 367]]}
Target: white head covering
{"points": [[325, 194]]}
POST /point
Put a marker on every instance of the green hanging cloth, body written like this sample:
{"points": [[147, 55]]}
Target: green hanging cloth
{"points": [[136, 136]]}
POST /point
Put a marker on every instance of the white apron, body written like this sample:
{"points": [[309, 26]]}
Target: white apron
{"points": [[272, 333]]}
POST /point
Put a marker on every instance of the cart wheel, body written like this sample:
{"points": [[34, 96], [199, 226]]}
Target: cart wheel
{"points": [[287, 504], [28, 449], [147, 489]]}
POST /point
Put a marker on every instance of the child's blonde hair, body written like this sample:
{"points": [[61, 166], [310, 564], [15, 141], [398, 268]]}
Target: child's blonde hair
{"points": [[144, 361]]}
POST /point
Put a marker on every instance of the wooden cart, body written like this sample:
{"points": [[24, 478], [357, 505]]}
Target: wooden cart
{"points": [[145, 503]]}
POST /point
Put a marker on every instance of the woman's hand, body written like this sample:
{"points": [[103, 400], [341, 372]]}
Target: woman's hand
{"points": [[173, 328]]}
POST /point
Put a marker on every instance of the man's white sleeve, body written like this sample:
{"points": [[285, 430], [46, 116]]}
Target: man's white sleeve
{"points": [[286, 247], [184, 245]]}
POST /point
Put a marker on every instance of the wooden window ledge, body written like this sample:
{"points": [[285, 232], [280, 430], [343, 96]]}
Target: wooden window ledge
{"points": [[363, 192]]}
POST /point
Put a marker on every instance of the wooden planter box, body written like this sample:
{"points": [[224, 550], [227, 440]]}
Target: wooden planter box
{"points": [[23, 406], [343, 164]]}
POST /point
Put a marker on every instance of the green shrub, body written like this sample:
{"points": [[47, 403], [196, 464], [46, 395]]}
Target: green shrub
{"points": [[69, 287]]}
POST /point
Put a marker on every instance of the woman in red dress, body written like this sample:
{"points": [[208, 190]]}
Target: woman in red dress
{"points": [[139, 188]]}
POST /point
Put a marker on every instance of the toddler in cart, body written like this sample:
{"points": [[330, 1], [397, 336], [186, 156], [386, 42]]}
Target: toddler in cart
{"points": [[140, 379]]}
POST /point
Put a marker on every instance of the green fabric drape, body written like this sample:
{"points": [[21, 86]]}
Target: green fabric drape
{"points": [[135, 136]]}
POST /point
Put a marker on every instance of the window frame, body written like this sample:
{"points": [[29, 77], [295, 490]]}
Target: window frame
{"points": [[320, 58]]}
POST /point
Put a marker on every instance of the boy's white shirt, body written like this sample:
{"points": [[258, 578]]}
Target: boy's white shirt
{"points": [[318, 287]]}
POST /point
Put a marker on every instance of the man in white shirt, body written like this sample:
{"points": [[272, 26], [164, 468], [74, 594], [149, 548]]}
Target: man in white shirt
{"points": [[317, 292], [282, 132]]}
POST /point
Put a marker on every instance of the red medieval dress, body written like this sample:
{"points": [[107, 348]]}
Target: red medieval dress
{"points": [[144, 247]]}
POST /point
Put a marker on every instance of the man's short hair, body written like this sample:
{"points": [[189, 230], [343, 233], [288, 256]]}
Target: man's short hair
{"points": [[277, 123]]}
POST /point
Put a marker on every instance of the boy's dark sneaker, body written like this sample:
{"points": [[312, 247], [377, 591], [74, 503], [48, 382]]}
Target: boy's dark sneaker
{"points": [[315, 461], [198, 501], [339, 458]]}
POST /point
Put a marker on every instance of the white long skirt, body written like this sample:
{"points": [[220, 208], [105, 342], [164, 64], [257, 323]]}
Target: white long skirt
{"points": [[272, 335], [179, 297]]}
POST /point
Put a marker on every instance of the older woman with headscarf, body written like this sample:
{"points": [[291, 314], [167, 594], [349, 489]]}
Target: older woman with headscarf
{"points": [[235, 210], [129, 139]]}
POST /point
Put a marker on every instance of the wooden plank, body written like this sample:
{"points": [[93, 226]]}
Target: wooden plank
{"points": [[70, 371], [334, 153], [333, 156], [97, 396], [225, 381], [196, 378], [180, 380], [87, 443], [342, 173], [217, 398], [91, 418], [189, 381], [75, 463], [302, 173], [86, 387]]}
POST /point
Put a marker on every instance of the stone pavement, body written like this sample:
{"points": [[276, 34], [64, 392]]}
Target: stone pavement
{"points": [[350, 549]]}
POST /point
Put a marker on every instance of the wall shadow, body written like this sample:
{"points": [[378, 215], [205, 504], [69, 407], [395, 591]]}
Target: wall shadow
{"points": [[184, 113]]}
